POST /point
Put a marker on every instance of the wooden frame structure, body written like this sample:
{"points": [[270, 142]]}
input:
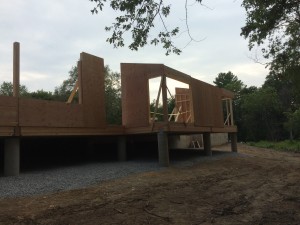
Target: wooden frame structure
{"points": [[198, 109]]}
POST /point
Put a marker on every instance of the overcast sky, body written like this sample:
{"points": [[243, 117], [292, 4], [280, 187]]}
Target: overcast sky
{"points": [[53, 33]]}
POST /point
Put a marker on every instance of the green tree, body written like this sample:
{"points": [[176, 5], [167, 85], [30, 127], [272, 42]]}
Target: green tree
{"points": [[275, 26], [6, 89], [229, 81], [113, 103], [261, 113], [62, 92], [41, 94], [292, 125], [139, 18]]}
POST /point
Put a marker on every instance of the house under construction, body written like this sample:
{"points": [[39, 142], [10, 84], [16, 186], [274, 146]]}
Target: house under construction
{"points": [[199, 109]]}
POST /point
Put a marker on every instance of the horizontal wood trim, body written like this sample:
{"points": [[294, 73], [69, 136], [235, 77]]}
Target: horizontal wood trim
{"points": [[7, 131], [51, 131]]}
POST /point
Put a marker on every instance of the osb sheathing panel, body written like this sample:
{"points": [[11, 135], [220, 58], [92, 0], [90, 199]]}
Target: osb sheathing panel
{"points": [[207, 104], [8, 111], [135, 92], [218, 118], [92, 86], [42, 113]]}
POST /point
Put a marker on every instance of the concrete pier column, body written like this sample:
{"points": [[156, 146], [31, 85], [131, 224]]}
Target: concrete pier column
{"points": [[163, 149], [122, 156], [233, 139], [11, 157], [207, 144]]}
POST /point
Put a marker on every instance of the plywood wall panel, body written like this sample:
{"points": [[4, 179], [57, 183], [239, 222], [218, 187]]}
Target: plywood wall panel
{"points": [[207, 104], [135, 95], [8, 111], [40, 113], [218, 118], [92, 86]]}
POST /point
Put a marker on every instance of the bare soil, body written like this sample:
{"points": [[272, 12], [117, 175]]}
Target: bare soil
{"points": [[258, 186]]}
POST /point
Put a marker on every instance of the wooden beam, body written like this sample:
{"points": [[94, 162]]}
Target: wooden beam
{"points": [[177, 75], [164, 97], [75, 88], [16, 69], [231, 113]]}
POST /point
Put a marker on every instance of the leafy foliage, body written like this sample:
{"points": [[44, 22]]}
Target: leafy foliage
{"points": [[291, 146], [41, 94], [6, 89], [113, 102], [261, 112], [229, 81], [138, 17], [63, 91], [275, 25]]}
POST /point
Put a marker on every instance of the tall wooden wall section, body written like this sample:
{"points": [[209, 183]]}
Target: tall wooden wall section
{"points": [[135, 92], [207, 104], [91, 82]]}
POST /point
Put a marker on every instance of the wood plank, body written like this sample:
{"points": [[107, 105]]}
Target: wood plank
{"points": [[177, 75], [68, 131], [6, 131]]}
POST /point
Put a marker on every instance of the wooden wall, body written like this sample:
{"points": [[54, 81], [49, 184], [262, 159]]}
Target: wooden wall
{"points": [[207, 104], [41, 113], [135, 92], [8, 111], [92, 89], [205, 99]]}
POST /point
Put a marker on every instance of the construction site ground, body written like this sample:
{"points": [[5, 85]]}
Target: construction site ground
{"points": [[255, 186]]}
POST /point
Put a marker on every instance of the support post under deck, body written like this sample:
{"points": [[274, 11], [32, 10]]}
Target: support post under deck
{"points": [[233, 139], [122, 148], [163, 149], [207, 144], [11, 157]]}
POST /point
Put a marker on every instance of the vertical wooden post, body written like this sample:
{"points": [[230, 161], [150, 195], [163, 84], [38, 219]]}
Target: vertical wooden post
{"points": [[207, 144], [165, 98], [231, 113], [16, 69], [163, 149], [227, 112]]}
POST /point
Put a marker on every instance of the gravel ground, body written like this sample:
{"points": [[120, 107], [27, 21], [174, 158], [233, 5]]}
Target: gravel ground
{"points": [[39, 182]]}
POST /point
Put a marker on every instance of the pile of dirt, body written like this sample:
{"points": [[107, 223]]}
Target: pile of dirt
{"points": [[259, 186]]}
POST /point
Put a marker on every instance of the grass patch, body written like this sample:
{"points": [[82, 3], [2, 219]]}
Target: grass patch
{"points": [[287, 145]]}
